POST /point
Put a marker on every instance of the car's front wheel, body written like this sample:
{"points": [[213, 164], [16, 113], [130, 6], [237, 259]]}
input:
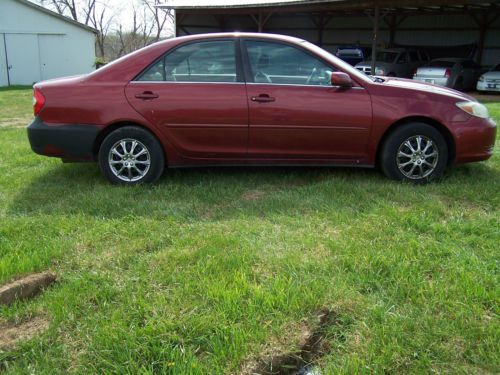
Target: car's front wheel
{"points": [[414, 152], [131, 155]]}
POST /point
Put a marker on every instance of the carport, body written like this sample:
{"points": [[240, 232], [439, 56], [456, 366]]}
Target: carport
{"points": [[460, 28]]}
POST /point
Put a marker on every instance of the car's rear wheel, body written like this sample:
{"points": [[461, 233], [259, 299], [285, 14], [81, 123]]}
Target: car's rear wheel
{"points": [[131, 155], [415, 152]]}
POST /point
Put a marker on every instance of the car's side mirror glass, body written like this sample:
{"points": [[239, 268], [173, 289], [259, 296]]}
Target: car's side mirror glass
{"points": [[341, 79]]}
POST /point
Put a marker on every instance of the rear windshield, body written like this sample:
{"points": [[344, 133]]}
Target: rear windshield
{"points": [[387, 57], [349, 53], [441, 64]]}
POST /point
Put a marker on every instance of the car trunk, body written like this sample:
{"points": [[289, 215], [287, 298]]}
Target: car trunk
{"points": [[432, 72]]}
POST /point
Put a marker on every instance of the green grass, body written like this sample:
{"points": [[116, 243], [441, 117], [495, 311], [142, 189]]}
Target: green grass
{"points": [[213, 267]]}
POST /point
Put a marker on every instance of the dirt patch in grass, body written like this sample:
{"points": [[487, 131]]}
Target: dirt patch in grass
{"points": [[253, 195], [26, 287], [15, 122], [311, 345], [12, 333]]}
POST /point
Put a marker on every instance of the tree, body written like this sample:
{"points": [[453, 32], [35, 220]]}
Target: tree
{"points": [[160, 16]]}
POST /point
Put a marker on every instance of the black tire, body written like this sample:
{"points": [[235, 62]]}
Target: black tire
{"points": [[459, 84], [139, 166], [427, 167]]}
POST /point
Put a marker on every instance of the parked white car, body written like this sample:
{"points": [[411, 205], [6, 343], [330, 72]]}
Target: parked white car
{"points": [[490, 81], [459, 74], [394, 62]]}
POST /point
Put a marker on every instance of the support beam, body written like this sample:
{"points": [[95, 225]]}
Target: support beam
{"points": [[392, 25], [484, 21], [320, 24], [260, 20], [375, 35]]}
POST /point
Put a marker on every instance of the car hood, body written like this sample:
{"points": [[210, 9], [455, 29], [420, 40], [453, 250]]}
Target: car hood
{"points": [[409, 84], [492, 75]]}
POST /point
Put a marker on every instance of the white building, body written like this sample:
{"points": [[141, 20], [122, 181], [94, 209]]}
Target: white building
{"points": [[38, 44]]}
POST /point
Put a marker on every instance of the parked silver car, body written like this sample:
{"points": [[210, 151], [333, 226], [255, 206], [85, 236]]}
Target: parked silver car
{"points": [[459, 74], [490, 81], [395, 62]]}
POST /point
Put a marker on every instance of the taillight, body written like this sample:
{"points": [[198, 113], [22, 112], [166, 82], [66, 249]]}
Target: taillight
{"points": [[447, 73], [414, 72], [38, 101]]}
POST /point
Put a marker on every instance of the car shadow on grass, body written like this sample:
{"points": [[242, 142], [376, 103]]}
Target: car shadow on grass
{"points": [[227, 192]]}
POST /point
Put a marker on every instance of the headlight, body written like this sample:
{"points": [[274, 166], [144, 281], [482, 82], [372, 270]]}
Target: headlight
{"points": [[481, 79], [474, 109], [379, 71]]}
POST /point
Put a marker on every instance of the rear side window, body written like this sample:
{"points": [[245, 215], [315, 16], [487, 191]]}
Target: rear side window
{"points": [[278, 63], [467, 64], [212, 61], [441, 64]]}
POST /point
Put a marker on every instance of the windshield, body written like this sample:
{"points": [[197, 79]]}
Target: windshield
{"points": [[496, 68], [386, 56], [342, 65], [349, 53], [441, 64]]}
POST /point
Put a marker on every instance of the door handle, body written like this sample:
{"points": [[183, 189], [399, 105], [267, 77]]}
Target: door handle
{"points": [[263, 98], [147, 95]]}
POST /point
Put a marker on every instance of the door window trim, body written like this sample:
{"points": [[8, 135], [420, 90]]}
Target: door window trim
{"points": [[240, 77]]}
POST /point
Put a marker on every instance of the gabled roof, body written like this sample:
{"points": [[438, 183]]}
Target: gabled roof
{"points": [[57, 15]]}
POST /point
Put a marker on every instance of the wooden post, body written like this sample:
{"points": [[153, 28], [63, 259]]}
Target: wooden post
{"points": [[375, 34], [483, 22], [392, 29]]}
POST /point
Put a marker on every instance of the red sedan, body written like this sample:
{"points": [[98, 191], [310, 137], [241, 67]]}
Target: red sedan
{"points": [[253, 99]]}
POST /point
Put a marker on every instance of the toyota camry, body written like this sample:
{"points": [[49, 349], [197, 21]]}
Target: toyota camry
{"points": [[253, 99]]}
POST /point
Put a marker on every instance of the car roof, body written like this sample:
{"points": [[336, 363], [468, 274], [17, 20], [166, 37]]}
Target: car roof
{"points": [[391, 49], [237, 34], [451, 59]]}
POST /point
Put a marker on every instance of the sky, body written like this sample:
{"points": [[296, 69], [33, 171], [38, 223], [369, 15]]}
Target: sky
{"points": [[123, 9]]}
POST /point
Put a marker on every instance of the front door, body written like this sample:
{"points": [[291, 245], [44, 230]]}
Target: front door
{"points": [[295, 112], [196, 98]]}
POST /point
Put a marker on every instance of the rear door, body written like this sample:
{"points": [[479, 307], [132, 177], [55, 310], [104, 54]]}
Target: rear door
{"points": [[196, 96], [295, 112]]}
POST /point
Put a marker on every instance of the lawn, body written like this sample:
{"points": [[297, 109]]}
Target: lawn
{"points": [[212, 270]]}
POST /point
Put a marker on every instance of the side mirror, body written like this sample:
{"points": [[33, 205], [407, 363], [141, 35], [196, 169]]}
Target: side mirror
{"points": [[341, 79]]}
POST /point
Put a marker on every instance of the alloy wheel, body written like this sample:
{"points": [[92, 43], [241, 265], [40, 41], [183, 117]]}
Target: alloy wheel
{"points": [[129, 160], [417, 157]]}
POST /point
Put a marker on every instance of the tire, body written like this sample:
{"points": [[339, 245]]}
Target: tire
{"points": [[131, 155], [399, 162], [459, 84]]}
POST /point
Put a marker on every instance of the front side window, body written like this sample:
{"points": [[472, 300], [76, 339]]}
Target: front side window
{"points": [[385, 56], [402, 58], [213, 61], [279, 63]]}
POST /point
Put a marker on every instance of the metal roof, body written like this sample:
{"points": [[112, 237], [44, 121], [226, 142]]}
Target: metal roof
{"points": [[57, 15], [331, 5]]}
